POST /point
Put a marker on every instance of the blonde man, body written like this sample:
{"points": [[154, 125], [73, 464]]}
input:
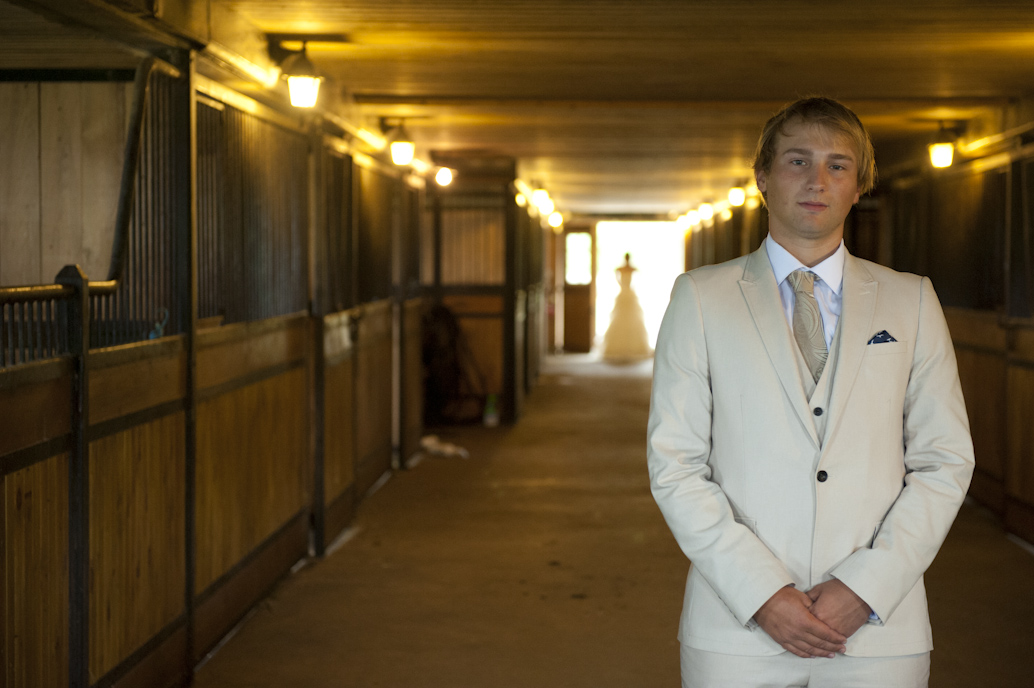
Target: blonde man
{"points": [[808, 441]]}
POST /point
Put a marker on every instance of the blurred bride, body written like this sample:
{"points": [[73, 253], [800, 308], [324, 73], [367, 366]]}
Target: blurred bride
{"points": [[626, 339]]}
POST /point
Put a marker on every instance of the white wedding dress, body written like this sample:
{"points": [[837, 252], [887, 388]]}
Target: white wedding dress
{"points": [[626, 339]]}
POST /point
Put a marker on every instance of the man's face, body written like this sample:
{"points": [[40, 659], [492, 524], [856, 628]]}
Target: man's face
{"points": [[812, 184]]}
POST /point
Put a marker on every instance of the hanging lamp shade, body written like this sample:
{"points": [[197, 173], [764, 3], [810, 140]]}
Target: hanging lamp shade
{"points": [[402, 148], [303, 82]]}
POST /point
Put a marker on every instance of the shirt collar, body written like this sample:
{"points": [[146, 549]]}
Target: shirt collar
{"points": [[830, 271]]}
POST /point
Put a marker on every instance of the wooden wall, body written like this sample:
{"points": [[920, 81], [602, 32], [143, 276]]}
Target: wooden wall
{"points": [[339, 422], [481, 319], [252, 440], [996, 367], [412, 373], [35, 574], [62, 146], [373, 394], [201, 483], [137, 538]]}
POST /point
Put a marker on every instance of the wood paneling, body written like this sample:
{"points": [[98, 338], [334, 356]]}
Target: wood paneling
{"points": [[235, 351], [485, 337], [981, 346], [373, 395], [473, 246], [137, 538], [82, 132], [976, 329], [1019, 483], [19, 184], [221, 607], [36, 575], [63, 146], [35, 407], [474, 304], [118, 387], [983, 385], [252, 455], [339, 429], [413, 378]]}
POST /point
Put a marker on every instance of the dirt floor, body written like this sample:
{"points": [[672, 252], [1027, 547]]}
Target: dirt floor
{"points": [[542, 561]]}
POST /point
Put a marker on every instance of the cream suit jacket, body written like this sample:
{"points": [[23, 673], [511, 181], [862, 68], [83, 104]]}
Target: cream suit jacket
{"points": [[733, 453]]}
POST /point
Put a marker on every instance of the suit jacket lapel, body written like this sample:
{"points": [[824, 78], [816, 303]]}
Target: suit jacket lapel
{"points": [[858, 306], [762, 295]]}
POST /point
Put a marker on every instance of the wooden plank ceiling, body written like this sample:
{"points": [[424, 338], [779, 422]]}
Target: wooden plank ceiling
{"points": [[654, 106]]}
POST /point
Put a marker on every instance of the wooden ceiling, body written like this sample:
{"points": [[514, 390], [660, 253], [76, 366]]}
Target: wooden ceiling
{"points": [[654, 106]]}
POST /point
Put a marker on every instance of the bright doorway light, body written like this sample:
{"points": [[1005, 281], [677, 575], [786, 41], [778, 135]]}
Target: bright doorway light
{"points": [[658, 251], [578, 246]]}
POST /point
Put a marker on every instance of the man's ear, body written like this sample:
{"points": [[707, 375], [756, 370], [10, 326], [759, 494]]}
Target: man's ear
{"points": [[760, 179]]}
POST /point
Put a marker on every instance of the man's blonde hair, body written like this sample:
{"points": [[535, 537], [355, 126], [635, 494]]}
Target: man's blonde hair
{"points": [[830, 114]]}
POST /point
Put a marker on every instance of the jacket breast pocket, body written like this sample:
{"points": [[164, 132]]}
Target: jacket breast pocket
{"points": [[887, 348]]}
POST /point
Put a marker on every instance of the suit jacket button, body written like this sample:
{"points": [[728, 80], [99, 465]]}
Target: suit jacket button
{"points": [[822, 475], [817, 412]]}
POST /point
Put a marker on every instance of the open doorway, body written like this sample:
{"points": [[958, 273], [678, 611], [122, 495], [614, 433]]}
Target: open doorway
{"points": [[657, 250]]}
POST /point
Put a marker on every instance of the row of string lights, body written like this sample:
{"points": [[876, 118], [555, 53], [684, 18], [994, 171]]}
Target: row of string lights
{"points": [[703, 215]]}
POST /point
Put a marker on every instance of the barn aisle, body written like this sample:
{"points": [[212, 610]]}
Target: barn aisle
{"points": [[542, 561]]}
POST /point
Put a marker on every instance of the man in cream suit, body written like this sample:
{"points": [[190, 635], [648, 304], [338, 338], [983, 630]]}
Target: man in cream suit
{"points": [[808, 441]]}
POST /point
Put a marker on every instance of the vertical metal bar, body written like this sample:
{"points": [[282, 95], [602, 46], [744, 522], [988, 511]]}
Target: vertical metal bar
{"points": [[185, 130], [78, 322]]}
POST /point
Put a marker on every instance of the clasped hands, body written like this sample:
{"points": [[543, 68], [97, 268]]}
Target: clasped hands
{"points": [[816, 623]]}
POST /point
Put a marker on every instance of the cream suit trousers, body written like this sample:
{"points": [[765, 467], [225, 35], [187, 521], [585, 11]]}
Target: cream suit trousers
{"points": [[703, 669]]}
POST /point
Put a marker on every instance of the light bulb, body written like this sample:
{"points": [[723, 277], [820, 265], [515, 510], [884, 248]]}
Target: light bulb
{"points": [[706, 211], [555, 220], [402, 152], [941, 154], [443, 177], [304, 90], [737, 196]]}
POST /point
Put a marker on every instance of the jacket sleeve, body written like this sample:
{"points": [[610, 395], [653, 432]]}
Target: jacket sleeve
{"points": [[737, 565], [938, 454]]}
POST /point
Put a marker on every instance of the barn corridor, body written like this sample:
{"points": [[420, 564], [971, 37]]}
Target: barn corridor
{"points": [[542, 561]]}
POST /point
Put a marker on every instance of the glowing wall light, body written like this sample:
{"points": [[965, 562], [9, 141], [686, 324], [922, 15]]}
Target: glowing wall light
{"points": [[555, 220], [706, 211], [443, 177], [737, 196], [941, 154], [303, 82]]}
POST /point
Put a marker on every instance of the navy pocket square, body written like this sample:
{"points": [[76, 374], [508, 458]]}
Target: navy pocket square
{"points": [[881, 337]]}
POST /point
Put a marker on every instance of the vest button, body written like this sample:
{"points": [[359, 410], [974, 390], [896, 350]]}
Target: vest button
{"points": [[817, 412], [822, 475]]}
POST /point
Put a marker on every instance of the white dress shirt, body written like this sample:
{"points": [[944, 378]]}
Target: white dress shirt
{"points": [[829, 282]]}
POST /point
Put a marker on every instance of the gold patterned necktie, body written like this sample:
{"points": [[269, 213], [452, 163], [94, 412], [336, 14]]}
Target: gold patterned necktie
{"points": [[807, 322]]}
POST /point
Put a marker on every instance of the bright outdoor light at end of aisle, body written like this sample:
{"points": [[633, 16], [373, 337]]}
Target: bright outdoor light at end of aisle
{"points": [[443, 177]]}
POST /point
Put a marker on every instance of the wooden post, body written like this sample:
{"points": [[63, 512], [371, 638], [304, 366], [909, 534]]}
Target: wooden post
{"points": [[77, 324]]}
